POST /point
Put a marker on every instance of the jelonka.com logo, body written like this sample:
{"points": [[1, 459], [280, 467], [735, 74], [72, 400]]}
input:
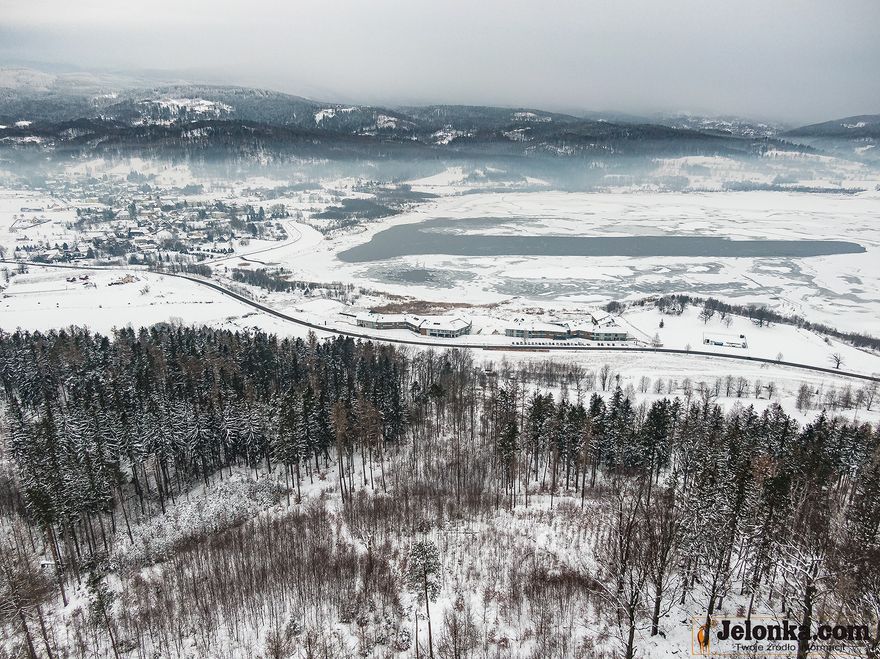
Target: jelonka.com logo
{"points": [[767, 636]]}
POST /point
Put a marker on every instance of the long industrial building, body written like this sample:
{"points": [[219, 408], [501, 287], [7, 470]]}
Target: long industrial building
{"points": [[445, 327], [561, 331]]}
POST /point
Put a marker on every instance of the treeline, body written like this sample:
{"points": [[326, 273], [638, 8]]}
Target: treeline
{"points": [[676, 304], [752, 186], [187, 267], [668, 506], [275, 283]]}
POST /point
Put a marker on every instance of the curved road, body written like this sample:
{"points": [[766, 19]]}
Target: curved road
{"points": [[291, 229], [440, 344]]}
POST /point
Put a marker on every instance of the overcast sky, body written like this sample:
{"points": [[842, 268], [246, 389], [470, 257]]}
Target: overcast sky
{"points": [[795, 60]]}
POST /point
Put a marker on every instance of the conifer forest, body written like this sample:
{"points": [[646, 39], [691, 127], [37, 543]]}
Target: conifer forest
{"points": [[193, 492]]}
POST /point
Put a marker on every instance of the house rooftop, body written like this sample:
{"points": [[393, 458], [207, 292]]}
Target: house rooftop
{"points": [[529, 325], [381, 317], [441, 323]]}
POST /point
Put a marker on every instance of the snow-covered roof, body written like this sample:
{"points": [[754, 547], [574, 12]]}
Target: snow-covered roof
{"points": [[528, 325], [368, 316], [603, 318], [581, 326], [441, 323]]}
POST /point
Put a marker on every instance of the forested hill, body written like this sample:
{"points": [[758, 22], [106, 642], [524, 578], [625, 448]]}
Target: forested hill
{"points": [[222, 120], [301, 498], [857, 137], [862, 126]]}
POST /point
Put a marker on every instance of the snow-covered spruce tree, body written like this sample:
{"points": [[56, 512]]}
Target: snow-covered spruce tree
{"points": [[423, 574]]}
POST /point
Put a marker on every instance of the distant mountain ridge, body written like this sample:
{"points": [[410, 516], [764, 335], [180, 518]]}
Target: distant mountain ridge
{"points": [[855, 137], [79, 112], [865, 125], [724, 125]]}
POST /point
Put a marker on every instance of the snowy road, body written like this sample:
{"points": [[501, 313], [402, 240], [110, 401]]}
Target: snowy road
{"points": [[291, 231], [497, 348]]}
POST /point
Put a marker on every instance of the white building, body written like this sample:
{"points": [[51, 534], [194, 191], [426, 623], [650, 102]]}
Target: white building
{"points": [[381, 321], [447, 327], [533, 329], [558, 331], [437, 326]]}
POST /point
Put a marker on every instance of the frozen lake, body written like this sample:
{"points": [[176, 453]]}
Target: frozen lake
{"points": [[438, 237], [811, 255]]}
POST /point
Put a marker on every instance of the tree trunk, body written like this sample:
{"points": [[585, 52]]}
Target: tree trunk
{"points": [[32, 653], [125, 515], [655, 616], [56, 559], [630, 640], [428, 614], [807, 621], [44, 632], [417, 634]]}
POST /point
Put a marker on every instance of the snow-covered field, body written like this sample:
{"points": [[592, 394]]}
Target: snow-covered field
{"points": [[44, 299], [769, 342]]}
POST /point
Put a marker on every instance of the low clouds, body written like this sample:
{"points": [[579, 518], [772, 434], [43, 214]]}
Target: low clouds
{"points": [[796, 60]]}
